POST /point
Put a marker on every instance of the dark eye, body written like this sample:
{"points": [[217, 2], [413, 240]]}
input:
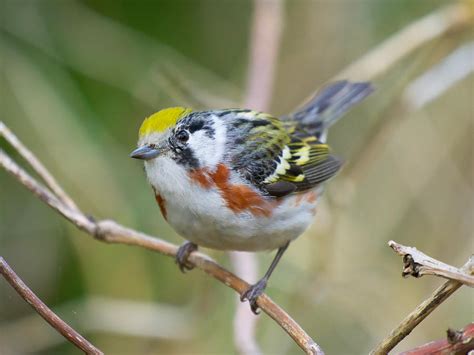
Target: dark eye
{"points": [[182, 136]]}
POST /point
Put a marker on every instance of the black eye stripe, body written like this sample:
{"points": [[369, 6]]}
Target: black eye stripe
{"points": [[186, 157], [195, 126]]}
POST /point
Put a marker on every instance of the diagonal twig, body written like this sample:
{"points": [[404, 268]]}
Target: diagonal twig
{"points": [[48, 315], [111, 232], [37, 166], [417, 264], [421, 312]]}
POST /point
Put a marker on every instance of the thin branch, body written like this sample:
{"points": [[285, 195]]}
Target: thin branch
{"points": [[37, 166], [48, 315], [45, 194], [417, 264], [456, 342], [111, 232], [421, 312]]}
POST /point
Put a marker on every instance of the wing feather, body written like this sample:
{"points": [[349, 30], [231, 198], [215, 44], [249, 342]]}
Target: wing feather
{"points": [[308, 164], [277, 156]]}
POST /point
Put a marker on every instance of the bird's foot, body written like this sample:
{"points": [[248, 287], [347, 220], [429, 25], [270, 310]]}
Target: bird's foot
{"points": [[183, 254], [252, 294]]}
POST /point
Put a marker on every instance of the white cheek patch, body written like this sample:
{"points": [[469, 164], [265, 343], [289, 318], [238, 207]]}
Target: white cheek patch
{"points": [[220, 137], [203, 148], [209, 151]]}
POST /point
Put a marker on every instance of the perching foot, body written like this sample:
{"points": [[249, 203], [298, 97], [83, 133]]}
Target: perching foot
{"points": [[183, 254], [252, 294]]}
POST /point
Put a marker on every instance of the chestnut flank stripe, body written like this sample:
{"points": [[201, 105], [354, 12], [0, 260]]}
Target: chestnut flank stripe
{"points": [[161, 202], [238, 197]]}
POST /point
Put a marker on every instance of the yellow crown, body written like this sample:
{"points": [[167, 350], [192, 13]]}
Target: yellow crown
{"points": [[162, 120]]}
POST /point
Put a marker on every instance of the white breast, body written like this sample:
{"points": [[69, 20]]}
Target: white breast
{"points": [[201, 215]]}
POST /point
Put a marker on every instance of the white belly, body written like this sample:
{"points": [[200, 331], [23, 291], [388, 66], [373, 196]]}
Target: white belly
{"points": [[201, 215], [218, 227]]}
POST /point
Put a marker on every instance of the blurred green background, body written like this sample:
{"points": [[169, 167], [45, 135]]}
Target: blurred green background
{"points": [[78, 77]]}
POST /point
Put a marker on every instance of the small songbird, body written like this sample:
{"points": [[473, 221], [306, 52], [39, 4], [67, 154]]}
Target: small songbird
{"points": [[237, 179]]}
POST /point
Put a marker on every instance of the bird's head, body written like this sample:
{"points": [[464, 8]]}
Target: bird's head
{"points": [[191, 139]]}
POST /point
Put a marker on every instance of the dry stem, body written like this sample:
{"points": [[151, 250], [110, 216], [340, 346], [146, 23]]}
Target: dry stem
{"points": [[37, 166], [111, 232], [417, 264], [422, 311], [48, 315]]}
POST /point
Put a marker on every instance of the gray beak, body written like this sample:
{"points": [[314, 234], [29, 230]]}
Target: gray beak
{"points": [[145, 153]]}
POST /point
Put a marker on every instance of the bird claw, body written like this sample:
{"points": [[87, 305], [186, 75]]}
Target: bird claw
{"points": [[182, 256], [252, 294]]}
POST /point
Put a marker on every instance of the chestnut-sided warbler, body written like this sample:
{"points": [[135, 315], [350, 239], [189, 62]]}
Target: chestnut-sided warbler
{"points": [[238, 179]]}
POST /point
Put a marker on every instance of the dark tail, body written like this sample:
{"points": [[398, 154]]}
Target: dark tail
{"points": [[328, 105]]}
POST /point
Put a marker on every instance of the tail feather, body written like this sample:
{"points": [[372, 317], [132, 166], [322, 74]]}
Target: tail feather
{"points": [[328, 105]]}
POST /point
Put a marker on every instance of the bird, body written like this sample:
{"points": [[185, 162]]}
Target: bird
{"points": [[243, 180]]}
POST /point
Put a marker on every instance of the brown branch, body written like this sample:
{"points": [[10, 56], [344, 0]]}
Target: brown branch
{"points": [[457, 342], [417, 264], [421, 312], [48, 315], [111, 232]]}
